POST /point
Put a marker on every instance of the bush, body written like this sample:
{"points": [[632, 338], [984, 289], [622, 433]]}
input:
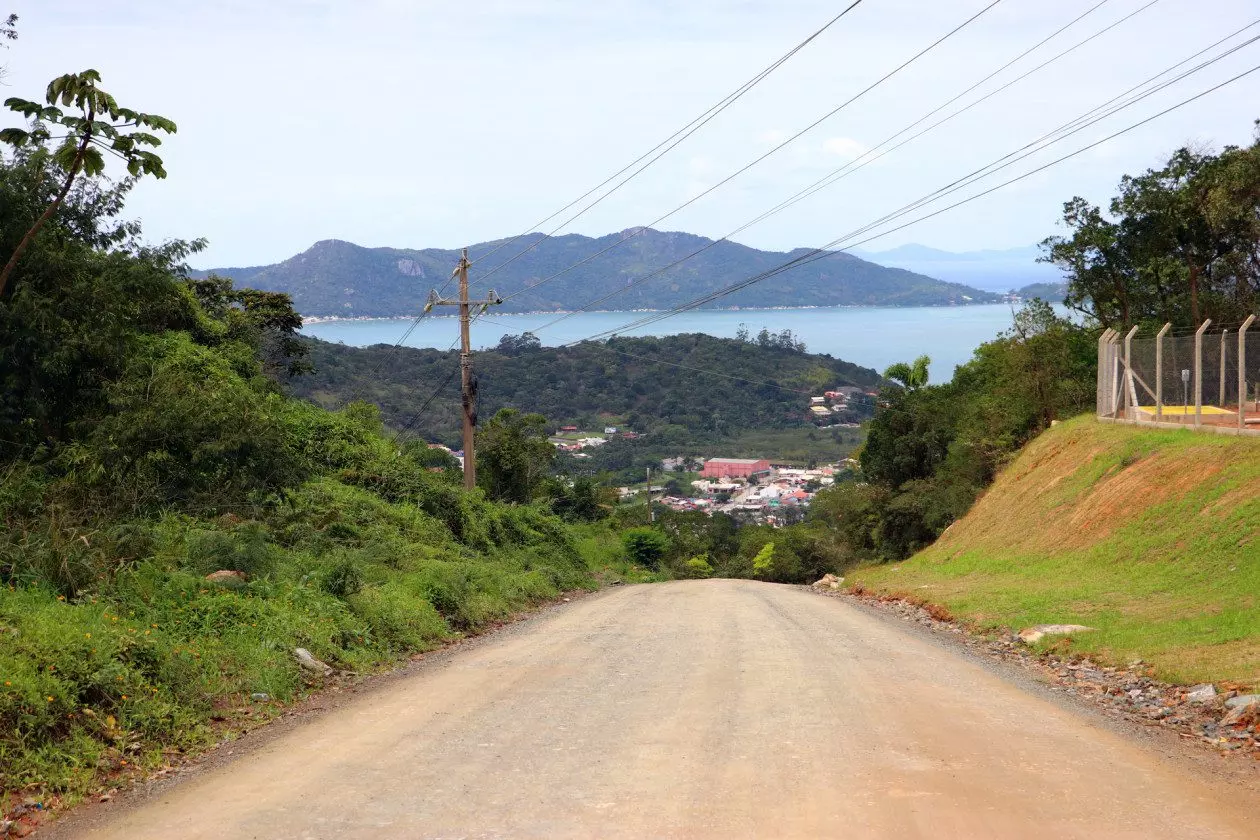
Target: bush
{"points": [[397, 619], [644, 546]]}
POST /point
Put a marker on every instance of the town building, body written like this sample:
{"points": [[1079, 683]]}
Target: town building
{"points": [[734, 467]]}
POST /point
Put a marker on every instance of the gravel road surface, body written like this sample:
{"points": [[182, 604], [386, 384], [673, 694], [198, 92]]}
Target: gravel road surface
{"points": [[716, 709]]}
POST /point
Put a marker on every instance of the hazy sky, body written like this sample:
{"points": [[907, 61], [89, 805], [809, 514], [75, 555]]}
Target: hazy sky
{"points": [[425, 124]]}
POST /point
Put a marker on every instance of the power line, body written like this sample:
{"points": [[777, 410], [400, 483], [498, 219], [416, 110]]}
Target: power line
{"points": [[821, 253], [751, 164], [853, 166], [668, 143], [1074, 126]]}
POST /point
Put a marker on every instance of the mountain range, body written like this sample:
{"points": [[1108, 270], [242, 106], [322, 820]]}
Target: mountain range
{"points": [[334, 278], [992, 270]]}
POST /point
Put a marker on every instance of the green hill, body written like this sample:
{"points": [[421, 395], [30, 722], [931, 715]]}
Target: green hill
{"points": [[647, 383], [1148, 536], [336, 278]]}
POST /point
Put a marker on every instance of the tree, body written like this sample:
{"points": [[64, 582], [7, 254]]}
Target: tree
{"points": [[515, 345], [1177, 244], [911, 376], [644, 546], [8, 32], [514, 456], [88, 137]]}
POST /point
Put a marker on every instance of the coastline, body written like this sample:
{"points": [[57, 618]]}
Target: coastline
{"points": [[329, 319]]}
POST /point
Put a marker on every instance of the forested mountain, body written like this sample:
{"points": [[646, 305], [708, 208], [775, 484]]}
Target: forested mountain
{"points": [[650, 383], [336, 278]]}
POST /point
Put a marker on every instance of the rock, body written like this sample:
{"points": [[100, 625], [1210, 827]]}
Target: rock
{"points": [[828, 581], [1242, 700], [227, 576], [260, 697], [1244, 715], [1201, 693], [1032, 635], [310, 663]]}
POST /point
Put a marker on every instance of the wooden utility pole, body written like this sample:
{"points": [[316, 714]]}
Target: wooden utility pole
{"points": [[468, 384], [651, 513]]}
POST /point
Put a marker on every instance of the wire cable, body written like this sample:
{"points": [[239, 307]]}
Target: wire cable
{"points": [[821, 253], [668, 143], [853, 166], [639, 230]]}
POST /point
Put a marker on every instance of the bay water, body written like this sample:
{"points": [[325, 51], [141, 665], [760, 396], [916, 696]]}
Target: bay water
{"points": [[873, 337]]}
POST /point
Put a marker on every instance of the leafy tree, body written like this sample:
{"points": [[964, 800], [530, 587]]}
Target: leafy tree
{"points": [[1176, 244], [100, 127], [8, 32], [912, 376], [514, 456], [645, 546], [515, 345], [582, 500]]}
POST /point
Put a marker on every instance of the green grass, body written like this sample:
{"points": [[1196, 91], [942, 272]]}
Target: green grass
{"points": [[1148, 536], [154, 658]]}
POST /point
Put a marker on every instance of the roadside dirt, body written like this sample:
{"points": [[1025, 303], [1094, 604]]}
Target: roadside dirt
{"points": [[1129, 695], [698, 709]]}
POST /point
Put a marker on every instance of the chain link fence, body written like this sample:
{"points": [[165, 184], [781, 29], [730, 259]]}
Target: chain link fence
{"points": [[1209, 378]]}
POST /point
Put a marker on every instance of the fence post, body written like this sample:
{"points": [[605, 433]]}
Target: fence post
{"points": [[1103, 400], [1242, 371], [1130, 410], [1159, 370], [1117, 382], [1221, 401], [1198, 372]]}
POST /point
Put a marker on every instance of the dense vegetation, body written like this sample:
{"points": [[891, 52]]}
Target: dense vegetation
{"points": [[662, 386], [146, 442], [1178, 244], [340, 279]]}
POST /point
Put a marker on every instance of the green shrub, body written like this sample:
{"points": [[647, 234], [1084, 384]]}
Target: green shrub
{"points": [[342, 579], [397, 619], [645, 546]]}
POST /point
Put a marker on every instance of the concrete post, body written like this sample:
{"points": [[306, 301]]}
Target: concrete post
{"points": [[1113, 367], [1221, 401], [1102, 400], [1159, 370], [1242, 371], [1130, 410], [1198, 372]]}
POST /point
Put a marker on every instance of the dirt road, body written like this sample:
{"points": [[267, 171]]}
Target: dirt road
{"points": [[698, 709]]}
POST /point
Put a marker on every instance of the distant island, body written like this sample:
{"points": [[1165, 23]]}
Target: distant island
{"points": [[994, 270], [337, 279]]}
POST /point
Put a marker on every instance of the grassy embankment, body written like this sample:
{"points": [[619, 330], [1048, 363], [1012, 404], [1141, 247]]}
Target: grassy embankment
{"points": [[1151, 537]]}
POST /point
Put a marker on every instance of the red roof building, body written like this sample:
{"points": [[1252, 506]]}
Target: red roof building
{"points": [[734, 467]]}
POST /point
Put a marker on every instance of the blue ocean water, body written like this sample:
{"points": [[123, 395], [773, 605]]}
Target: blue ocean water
{"points": [[874, 337]]}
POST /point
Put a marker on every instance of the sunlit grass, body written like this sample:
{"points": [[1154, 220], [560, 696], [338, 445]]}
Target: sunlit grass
{"points": [[1148, 536]]}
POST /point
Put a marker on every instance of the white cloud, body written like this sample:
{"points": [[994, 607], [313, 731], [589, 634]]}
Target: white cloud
{"points": [[844, 147]]}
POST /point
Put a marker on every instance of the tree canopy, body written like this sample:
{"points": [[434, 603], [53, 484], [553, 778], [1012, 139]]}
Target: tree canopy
{"points": [[1179, 243]]}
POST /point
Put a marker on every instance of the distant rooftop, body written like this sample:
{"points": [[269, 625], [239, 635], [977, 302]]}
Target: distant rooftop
{"points": [[734, 460]]}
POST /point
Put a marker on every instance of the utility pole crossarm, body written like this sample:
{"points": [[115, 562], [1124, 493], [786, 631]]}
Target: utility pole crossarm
{"points": [[467, 383]]}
